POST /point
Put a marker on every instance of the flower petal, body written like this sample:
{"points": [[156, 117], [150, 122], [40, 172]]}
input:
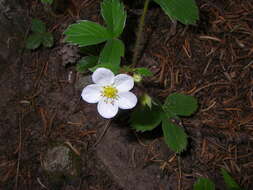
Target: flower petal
{"points": [[127, 100], [92, 93], [103, 76], [106, 109], [123, 82]]}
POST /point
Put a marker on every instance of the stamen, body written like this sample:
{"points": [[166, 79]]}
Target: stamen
{"points": [[110, 92]]}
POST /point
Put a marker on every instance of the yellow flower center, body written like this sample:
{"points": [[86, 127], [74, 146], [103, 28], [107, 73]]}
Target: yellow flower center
{"points": [[109, 92]]}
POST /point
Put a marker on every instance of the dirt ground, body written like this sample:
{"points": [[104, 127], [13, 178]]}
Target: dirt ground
{"points": [[41, 106]]}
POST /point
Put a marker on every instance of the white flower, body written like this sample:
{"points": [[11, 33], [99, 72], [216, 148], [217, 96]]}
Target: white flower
{"points": [[110, 92]]}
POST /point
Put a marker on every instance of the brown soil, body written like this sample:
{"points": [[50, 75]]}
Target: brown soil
{"points": [[40, 103]]}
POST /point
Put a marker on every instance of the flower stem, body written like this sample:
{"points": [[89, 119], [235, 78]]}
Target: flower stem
{"points": [[139, 34], [107, 125]]}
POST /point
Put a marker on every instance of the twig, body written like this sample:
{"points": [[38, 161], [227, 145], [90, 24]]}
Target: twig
{"points": [[72, 148], [207, 86], [19, 148], [42, 185]]}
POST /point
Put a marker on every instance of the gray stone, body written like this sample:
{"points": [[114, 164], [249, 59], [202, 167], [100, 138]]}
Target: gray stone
{"points": [[58, 159], [125, 160], [69, 54], [61, 165]]}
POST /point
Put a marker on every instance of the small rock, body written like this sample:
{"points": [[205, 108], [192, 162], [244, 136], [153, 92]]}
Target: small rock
{"points": [[57, 159], [62, 166], [69, 54]]}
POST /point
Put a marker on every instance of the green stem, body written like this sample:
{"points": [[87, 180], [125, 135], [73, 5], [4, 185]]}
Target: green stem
{"points": [[139, 34]]}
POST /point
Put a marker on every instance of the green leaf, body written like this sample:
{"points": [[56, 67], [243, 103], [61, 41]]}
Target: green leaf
{"points": [[204, 184], [174, 135], [112, 67], [145, 119], [47, 1], [185, 11], [143, 71], [114, 15], [38, 26], [86, 33], [112, 52], [180, 104], [229, 181], [34, 41], [86, 63], [48, 40]]}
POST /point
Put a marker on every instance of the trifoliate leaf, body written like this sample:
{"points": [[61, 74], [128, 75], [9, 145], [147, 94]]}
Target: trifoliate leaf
{"points": [[114, 15], [180, 104], [174, 135], [112, 67], [143, 71], [86, 63], [48, 40], [86, 33], [38, 26], [145, 119], [229, 181], [112, 52], [185, 11], [47, 1], [204, 184], [34, 41]]}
